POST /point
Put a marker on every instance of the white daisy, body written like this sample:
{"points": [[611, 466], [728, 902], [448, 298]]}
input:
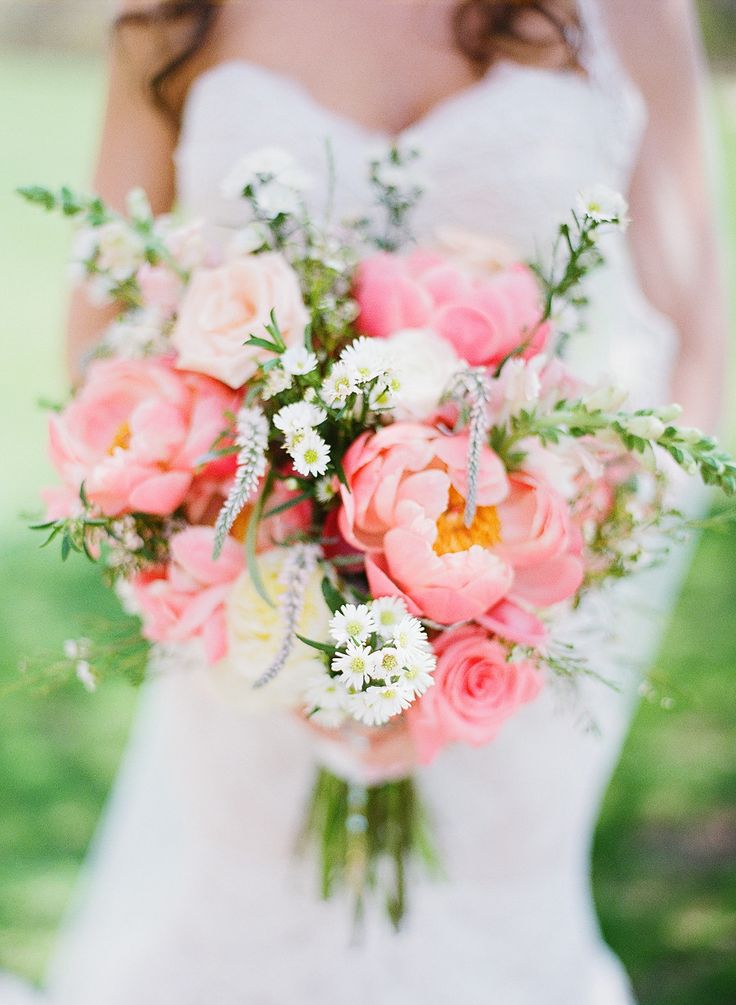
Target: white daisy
{"points": [[311, 454], [297, 418], [418, 671], [339, 384], [276, 382], [354, 666], [298, 360], [387, 663], [377, 705], [409, 637], [602, 204], [366, 357], [382, 396], [387, 612], [352, 623]]}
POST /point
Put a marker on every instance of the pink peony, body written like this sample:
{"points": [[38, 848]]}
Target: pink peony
{"points": [[135, 432], [484, 318], [185, 599], [223, 306], [405, 510], [475, 690]]}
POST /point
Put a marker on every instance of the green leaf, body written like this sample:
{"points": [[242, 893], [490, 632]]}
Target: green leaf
{"points": [[333, 598], [282, 507], [323, 647], [37, 195], [66, 547]]}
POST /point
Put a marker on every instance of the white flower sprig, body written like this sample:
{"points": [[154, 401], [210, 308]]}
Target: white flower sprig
{"points": [[472, 387], [382, 662], [252, 438], [295, 575]]}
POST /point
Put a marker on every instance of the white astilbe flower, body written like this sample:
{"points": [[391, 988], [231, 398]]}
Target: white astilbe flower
{"points": [[295, 575], [354, 666], [339, 384], [352, 623], [252, 438], [298, 360], [311, 455], [387, 612], [603, 205], [299, 417]]}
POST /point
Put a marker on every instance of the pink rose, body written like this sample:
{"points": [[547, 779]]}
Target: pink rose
{"points": [[475, 690], [484, 318], [135, 433], [223, 306], [185, 599], [405, 510]]}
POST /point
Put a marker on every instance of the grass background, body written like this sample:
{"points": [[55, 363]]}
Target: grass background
{"points": [[665, 854]]}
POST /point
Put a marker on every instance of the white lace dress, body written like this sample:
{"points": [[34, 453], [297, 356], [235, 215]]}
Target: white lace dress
{"points": [[194, 896]]}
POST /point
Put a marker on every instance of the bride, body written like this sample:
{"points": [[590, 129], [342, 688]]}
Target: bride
{"points": [[193, 896]]}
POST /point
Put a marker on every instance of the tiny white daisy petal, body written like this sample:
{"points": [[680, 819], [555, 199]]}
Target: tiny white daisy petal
{"points": [[339, 384], [300, 416], [388, 612], [367, 358], [352, 623], [354, 666], [409, 636], [311, 455], [387, 663], [298, 360]]}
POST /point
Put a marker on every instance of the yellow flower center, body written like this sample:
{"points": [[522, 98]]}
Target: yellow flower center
{"points": [[453, 535], [120, 439]]}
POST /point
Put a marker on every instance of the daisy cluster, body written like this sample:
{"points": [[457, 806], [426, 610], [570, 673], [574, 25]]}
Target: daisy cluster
{"points": [[382, 662], [361, 380]]}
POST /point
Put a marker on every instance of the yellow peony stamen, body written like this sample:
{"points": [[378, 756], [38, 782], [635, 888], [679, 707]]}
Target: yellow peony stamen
{"points": [[121, 438], [453, 535]]}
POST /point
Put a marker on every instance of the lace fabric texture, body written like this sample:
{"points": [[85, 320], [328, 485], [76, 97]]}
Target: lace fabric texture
{"points": [[194, 896]]}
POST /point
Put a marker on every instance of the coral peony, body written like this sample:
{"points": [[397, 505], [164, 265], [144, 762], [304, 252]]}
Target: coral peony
{"points": [[484, 318], [476, 688], [404, 508], [134, 434], [185, 599]]}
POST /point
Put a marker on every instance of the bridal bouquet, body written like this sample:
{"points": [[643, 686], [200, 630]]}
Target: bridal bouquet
{"points": [[354, 474]]}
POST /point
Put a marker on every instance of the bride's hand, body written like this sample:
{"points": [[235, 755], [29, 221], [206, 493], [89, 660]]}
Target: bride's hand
{"points": [[367, 755]]}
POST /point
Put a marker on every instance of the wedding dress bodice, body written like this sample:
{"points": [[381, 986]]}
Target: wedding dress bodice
{"points": [[195, 899]]}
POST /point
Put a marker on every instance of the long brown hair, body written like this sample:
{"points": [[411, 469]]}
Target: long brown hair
{"points": [[484, 30]]}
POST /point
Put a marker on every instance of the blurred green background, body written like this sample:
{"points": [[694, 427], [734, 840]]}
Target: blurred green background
{"points": [[665, 855]]}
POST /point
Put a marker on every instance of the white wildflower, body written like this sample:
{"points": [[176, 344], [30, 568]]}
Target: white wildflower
{"points": [[120, 250], [377, 705], [367, 358], [311, 454], [248, 239], [354, 665], [299, 417], [352, 623], [138, 206], [339, 384], [86, 676], [388, 612], [382, 396], [387, 663], [298, 360], [187, 244], [603, 205], [417, 674], [137, 334], [409, 638], [277, 380], [326, 490]]}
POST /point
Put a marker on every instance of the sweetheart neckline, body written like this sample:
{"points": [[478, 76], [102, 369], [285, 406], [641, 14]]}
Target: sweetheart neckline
{"points": [[436, 111]]}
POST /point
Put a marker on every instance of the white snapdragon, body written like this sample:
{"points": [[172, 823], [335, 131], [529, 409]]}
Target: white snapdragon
{"points": [[352, 623], [311, 455], [606, 399], [298, 360], [603, 205], [648, 427]]}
